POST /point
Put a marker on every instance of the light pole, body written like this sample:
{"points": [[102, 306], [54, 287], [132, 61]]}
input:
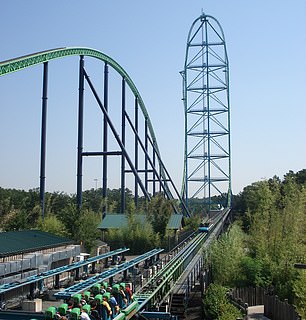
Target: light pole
{"points": [[96, 181]]}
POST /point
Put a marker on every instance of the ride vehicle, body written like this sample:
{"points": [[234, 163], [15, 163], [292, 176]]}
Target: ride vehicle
{"points": [[205, 226]]}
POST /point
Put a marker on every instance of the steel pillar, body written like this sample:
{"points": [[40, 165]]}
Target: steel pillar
{"points": [[146, 153], [80, 133], [122, 206], [154, 174], [136, 150], [105, 141], [43, 140]]}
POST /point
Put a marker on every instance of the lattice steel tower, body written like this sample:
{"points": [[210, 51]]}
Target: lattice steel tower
{"points": [[207, 160]]}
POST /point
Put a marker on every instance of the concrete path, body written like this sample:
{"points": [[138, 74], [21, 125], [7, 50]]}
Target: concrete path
{"points": [[256, 312]]}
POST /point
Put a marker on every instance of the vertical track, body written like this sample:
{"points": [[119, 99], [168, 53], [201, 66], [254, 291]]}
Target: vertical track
{"points": [[207, 169]]}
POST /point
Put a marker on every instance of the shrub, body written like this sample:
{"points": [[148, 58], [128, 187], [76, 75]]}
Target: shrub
{"points": [[217, 306]]}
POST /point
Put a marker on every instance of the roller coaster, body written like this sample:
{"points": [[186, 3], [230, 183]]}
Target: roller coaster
{"points": [[150, 180], [174, 273]]}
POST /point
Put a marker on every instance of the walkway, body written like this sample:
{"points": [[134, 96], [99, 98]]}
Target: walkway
{"points": [[256, 312]]}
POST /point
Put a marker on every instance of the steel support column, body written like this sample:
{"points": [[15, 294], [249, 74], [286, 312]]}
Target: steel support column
{"points": [[154, 175], [122, 206], [105, 142], [43, 140], [136, 151], [80, 133], [146, 153]]}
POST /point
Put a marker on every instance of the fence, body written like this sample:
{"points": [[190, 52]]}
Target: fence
{"points": [[249, 295], [274, 308]]}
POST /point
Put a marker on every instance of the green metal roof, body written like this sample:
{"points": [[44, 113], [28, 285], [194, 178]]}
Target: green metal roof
{"points": [[175, 221], [18, 242], [117, 221], [114, 221]]}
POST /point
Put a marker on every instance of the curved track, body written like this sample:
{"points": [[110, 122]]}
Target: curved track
{"points": [[30, 60], [163, 177]]}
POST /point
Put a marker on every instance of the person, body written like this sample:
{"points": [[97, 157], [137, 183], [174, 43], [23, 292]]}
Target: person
{"points": [[104, 287], [57, 316], [128, 293], [70, 303], [122, 300], [114, 305], [94, 310], [106, 309], [84, 315], [83, 300]]}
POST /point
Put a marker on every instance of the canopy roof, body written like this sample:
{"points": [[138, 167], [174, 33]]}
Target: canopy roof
{"points": [[117, 221], [18, 242]]}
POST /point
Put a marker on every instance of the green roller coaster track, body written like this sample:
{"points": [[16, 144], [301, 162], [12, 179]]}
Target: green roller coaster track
{"points": [[16, 64], [13, 65]]}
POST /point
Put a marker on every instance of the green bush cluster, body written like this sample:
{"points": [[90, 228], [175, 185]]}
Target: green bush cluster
{"points": [[217, 306]]}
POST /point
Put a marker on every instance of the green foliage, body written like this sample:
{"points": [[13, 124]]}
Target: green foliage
{"points": [[273, 215], [56, 201], [277, 233], [69, 216], [216, 304], [214, 300], [113, 200], [87, 228], [201, 206], [254, 273], [136, 236], [193, 222], [15, 220], [299, 289], [229, 312], [225, 257], [51, 224], [159, 212]]}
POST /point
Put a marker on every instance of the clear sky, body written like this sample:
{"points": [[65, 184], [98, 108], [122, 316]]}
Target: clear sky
{"points": [[266, 44]]}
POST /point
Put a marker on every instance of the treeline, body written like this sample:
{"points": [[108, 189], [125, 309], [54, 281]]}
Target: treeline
{"points": [[266, 241], [21, 210], [26, 204]]}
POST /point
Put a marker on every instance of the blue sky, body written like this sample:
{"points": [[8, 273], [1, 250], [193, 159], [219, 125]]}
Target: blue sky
{"points": [[266, 43]]}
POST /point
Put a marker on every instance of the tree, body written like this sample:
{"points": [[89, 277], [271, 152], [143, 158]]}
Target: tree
{"points": [[299, 289], [15, 220], [138, 237], [51, 224], [87, 229], [274, 217], [193, 222], [225, 257], [159, 212], [69, 216]]}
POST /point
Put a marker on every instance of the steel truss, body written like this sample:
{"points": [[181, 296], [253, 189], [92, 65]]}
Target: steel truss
{"points": [[207, 163]]}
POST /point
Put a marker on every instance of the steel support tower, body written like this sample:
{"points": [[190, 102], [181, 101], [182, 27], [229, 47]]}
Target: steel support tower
{"points": [[207, 160]]}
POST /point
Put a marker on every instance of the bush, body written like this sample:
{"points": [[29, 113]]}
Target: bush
{"points": [[217, 306], [137, 237]]}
